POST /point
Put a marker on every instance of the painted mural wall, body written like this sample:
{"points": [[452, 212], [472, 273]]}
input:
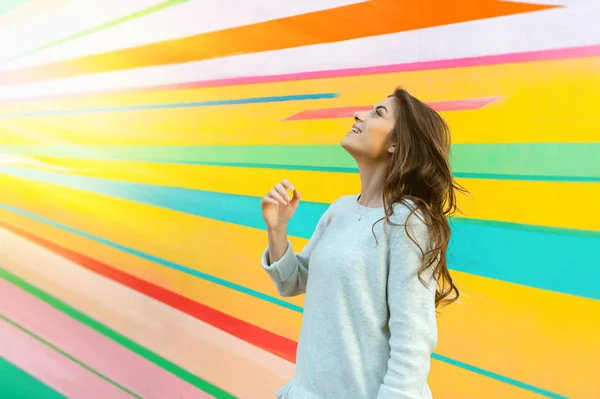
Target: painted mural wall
{"points": [[137, 137]]}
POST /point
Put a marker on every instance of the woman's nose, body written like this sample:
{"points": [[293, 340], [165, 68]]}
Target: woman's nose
{"points": [[357, 117]]}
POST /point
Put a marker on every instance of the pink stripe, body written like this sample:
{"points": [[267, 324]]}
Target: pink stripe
{"points": [[52, 368], [540, 55], [92, 348], [345, 112], [529, 56]]}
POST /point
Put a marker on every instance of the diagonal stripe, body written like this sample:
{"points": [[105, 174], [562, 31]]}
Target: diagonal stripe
{"points": [[93, 349], [142, 13], [499, 377], [345, 112], [165, 262], [273, 343], [222, 359], [506, 314], [216, 103], [80, 87], [107, 331], [105, 269], [478, 247], [17, 384], [11, 330], [484, 60], [344, 23]]}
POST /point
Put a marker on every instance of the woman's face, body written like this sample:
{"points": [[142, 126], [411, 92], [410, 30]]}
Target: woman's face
{"points": [[371, 135]]}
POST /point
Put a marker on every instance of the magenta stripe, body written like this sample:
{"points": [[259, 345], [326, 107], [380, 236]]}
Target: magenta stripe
{"points": [[529, 56], [98, 352], [51, 367], [345, 112]]}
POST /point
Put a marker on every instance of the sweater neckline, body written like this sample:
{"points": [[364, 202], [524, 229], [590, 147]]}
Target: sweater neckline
{"points": [[357, 196]]}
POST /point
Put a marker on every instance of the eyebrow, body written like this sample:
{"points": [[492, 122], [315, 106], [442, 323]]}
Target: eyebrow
{"points": [[381, 106]]}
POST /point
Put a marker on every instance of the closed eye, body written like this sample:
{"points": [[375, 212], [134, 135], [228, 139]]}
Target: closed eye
{"points": [[379, 110]]}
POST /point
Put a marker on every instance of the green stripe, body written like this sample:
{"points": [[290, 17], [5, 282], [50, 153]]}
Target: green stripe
{"points": [[17, 384], [580, 160], [536, 161], [130, 17], [7, 5], [115, 336], [73, 359]]}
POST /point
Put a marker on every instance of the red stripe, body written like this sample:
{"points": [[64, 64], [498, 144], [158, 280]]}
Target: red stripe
{"points": [[273, 343], [345, 112]]}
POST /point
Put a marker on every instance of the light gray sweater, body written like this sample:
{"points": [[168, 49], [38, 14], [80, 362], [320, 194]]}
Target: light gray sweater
{"points": [[369, 324]]}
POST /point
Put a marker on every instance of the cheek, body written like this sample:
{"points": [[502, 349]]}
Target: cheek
{"points": [[379, 136]]}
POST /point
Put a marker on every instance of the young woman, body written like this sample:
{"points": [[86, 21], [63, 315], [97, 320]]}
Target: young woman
{"points": [[375, 268]]}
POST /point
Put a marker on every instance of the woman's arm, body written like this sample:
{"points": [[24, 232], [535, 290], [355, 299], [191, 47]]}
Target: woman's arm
{"points": [[412, 322], [288, 270]]}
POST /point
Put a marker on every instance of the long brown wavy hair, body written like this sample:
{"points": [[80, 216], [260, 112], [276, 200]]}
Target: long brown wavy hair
{"points": [[419, 172]]}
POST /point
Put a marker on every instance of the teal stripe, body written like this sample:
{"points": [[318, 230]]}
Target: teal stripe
{"points": [[535, 162], [127, 18], [17, 384], [7, 5], [163, 262], [498, 377], [215, 103], [541, 257]]}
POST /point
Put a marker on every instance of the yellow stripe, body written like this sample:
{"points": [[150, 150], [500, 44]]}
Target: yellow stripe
{"points": [[537, 107], [544, 330], [199, 243], [517, 331], [446, 381], [526, 202], [449, 382]]}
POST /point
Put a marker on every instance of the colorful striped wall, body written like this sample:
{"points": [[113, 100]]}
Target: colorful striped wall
{"points": [[137, 137]]}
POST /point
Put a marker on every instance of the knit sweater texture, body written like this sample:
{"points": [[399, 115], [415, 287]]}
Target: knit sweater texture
{"points": [[369, 324]]}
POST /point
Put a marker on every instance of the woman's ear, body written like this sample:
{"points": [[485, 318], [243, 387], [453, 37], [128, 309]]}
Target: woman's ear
{"points": [[392, 149]]}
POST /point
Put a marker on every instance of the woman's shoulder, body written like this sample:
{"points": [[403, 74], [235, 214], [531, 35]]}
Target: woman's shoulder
{"points": [[343, 202], [406, 211], [408, 218]]}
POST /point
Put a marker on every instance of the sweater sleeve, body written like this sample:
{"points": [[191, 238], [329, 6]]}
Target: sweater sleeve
{"points": [[290, 273], [412, 318]]}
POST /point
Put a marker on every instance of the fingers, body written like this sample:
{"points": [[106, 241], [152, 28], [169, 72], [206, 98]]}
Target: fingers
{"points": [[283, 192], [274, 194], [279, 194], [286, 183], [269, 200], [296, 197]]}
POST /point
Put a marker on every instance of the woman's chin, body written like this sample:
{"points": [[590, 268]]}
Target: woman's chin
{"points": [[348, 145]]}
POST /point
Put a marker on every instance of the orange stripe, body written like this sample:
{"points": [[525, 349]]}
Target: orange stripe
{"points": [[371, 18]]}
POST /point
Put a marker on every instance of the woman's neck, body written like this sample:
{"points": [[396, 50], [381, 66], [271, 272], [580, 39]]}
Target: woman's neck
{"points": [[372, 179]]}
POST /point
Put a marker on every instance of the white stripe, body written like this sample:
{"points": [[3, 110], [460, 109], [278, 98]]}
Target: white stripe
{"points": [[182, 20], [564, 3], [557, 28], [74, 17]]}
